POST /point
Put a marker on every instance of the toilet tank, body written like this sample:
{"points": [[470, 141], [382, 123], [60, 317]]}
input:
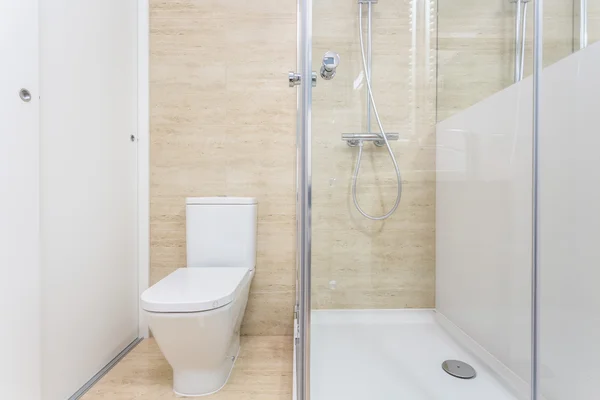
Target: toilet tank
{"points": [[221, 231]]}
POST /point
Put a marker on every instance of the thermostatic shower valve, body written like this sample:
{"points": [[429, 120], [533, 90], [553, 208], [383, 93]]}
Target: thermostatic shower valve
{"points": [[331, 60]]}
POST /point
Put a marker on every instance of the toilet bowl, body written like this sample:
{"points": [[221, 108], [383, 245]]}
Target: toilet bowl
{"points": [[195, 313]]}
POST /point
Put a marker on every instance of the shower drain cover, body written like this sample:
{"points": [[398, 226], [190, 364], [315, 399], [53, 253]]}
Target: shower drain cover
{"points": [[459, 369]]}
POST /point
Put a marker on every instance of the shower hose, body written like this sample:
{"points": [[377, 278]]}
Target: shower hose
{"points": [[383, 136]]}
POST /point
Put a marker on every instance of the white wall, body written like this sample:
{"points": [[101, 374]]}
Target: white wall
{"points": [[484, 225], [19, 203], [88, 81], [570, 228]]}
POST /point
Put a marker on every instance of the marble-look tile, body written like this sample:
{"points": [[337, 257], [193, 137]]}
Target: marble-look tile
{"points": [[476, 48], [262, 371], [268, 313], [593, 21], [223, 123], [223, 9], [356, 262]]}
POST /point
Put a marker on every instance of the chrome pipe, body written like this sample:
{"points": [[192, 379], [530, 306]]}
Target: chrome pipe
{"points": [[523, 36], [517, 39], [583, 24]]}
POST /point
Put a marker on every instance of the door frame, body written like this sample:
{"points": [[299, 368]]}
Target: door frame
{"points": [[303, 200], [143, 157]]}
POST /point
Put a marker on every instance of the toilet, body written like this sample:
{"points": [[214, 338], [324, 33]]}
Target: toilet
{"points": [[195, 313]]}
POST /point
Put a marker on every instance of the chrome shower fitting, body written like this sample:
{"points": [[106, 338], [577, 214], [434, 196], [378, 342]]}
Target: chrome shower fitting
{"points": [[382, 138], [354, 139], [331, 60], [520, 34]]}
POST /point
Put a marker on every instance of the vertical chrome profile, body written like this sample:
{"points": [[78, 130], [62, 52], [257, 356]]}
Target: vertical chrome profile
{"points": [[523, 37], [538, 41], [517, 39], [304, 198], [369, 61], [583, 24]]}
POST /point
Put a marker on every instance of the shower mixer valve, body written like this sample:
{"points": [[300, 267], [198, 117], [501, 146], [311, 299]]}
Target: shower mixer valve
{"points": [[331, 60]]}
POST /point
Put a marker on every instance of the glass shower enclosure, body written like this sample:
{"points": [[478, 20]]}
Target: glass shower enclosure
{"points": [[444, 200]]}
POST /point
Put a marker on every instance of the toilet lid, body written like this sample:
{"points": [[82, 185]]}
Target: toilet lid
{"points": [[194, 289]]}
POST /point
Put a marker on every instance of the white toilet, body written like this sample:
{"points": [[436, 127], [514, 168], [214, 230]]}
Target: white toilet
{"points": [[195, 313]]}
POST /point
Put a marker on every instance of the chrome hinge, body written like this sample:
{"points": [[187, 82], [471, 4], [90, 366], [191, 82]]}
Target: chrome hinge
{"points": [[295, 79], [296, 328]]}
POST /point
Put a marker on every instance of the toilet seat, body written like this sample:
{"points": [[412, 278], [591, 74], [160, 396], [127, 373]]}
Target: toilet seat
{"points": [[195, 289]]}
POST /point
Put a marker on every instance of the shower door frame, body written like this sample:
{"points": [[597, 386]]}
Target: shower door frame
{"points": [[303, 201]]}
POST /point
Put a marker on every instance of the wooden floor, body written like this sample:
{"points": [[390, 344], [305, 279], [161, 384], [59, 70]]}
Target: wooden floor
{"points": [[263, 371]]}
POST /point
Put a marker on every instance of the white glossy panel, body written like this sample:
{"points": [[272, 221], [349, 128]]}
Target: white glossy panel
{"points": [[484, 225], [570, 227], [19, 202], [88, 208], [221, 235]]}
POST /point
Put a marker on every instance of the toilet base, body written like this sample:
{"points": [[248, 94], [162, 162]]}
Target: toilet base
{"points": [[196, 383]]}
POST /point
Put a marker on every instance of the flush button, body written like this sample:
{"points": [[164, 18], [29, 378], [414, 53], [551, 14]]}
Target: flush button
{"points": [[25, 95]]}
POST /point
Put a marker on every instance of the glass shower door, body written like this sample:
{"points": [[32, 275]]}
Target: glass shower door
{"points": [[414, 233], [364, 262]]}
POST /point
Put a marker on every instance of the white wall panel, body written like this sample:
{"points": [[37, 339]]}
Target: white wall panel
{"points": [[89, 192], [484, 225], [19, 203]]}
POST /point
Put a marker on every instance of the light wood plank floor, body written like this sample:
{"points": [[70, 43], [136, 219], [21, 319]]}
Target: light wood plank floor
{"points": [[262, 371]]}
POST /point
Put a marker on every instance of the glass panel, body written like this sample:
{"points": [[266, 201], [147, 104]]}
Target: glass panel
{"points": [[484, 186], [460, 239], [362, 266], [476, 53], [593, 20], [483, 49], [586, 22], [559, 21]]}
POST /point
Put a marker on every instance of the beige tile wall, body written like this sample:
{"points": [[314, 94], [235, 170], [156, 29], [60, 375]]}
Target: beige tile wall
{"points": [[358, 263], [476, 47], [223, 122], [593, 21]]}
